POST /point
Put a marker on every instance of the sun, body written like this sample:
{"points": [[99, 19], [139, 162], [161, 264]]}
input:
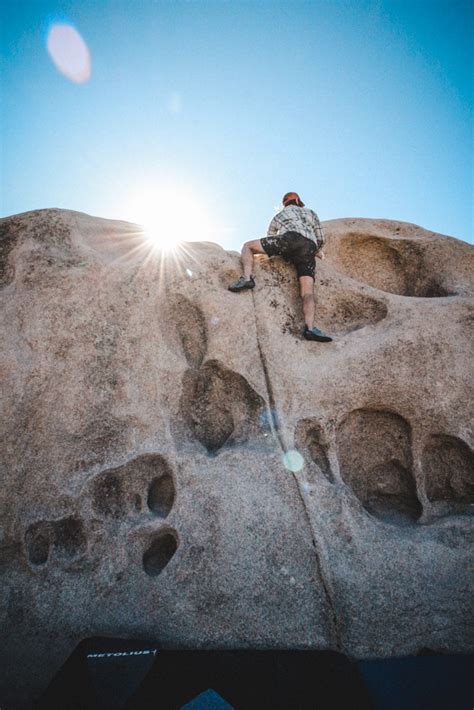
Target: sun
{"points": [[170, 215]]}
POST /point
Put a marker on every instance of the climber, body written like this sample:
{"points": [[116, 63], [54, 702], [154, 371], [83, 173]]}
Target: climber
{"points": [[295, 233]]}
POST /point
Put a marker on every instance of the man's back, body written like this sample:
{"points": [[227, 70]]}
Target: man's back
{"points": [[297, 219], [295, 234]]}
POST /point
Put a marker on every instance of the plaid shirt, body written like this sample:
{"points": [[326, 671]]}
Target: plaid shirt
{"points": [[298, 219]]}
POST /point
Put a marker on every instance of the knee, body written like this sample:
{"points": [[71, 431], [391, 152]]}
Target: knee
{"points": [[307, 297], [253, 246]]}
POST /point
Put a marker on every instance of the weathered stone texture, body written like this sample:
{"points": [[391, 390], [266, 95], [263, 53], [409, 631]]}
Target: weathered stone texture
{"points": [[147, 411]]}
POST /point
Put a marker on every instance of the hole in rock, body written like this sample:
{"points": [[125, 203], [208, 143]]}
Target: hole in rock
{"points": [[219, 406], [66, 536], [122, 490], [107, 495], [433, 289], [309, 439], [160, 552], [161, 495], [396, 266], [374, 450], [69, 536], [191, 326], [448, 467], [38, 540], [344, 310]]}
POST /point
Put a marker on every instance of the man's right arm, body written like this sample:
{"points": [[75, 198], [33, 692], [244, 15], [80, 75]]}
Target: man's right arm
{"points": [[318, 231]]}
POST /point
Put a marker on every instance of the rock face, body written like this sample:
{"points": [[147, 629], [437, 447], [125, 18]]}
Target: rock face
{"points": [[180, 464]]}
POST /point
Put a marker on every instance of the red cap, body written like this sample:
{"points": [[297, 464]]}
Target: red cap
{"points": [[292, 196]]}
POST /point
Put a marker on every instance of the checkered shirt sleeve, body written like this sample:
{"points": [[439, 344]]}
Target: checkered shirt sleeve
{"points": [[318, 231], [273, 227]]}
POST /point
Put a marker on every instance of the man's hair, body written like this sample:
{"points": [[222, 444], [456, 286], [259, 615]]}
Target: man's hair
{"points": [[292, 198]]}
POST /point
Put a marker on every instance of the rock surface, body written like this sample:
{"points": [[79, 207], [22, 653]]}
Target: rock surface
{"points": [[180, 464]]}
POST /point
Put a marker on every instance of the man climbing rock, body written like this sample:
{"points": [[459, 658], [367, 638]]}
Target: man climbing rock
{"points": [[295, 234]]}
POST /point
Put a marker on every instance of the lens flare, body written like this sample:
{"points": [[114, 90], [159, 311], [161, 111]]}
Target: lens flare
{"points": [[293, 461], [69, 52]]}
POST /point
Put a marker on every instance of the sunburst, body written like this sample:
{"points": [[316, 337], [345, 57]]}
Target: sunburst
{"points": [[170, 216]]}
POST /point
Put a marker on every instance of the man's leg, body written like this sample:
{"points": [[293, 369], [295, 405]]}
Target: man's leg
{"points": [[307, 295], [248, 250], [247, 281]]}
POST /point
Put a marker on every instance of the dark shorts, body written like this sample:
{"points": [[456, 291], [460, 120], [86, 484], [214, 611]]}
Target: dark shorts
{"points": [[294, 248]]}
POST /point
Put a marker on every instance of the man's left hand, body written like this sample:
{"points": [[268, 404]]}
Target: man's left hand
{"points": [[320, 254]]}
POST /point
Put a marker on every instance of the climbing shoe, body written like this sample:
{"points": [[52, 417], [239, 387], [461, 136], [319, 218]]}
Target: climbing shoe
{"points": [[242, 284], [316, 334]]}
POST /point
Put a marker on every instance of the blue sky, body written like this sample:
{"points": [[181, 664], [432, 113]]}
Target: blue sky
{"points": [[364, 108]]}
